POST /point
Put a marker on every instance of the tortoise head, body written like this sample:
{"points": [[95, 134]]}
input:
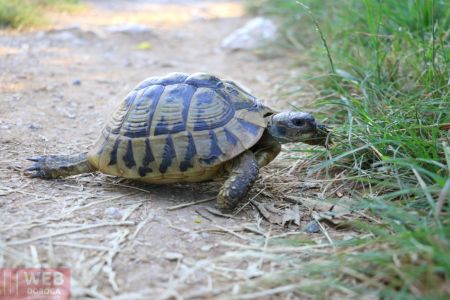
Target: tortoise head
{"points": [[293, 127]]}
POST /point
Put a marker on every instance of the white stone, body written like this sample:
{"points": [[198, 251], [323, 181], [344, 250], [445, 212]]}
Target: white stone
{"points": [[65, 36], [113, 212], [173, 256], [206, 248], [252, 35], [128, 29]]}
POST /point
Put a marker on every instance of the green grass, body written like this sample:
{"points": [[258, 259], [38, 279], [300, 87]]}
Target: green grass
{"points": [[382, 68], [26, 13]]}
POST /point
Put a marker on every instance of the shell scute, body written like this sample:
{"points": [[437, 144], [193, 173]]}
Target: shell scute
{"points": [[146, 160], [135, 121], [190, 152], [204, 80], [230, 137], [168, 155], [214, 150], [113, 153], [209, 110], [240, 98], [172, 110], [128, 157]]}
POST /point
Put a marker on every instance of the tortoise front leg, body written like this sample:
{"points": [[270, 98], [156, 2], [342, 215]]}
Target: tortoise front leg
{"points": [[267, 154], [243, 172], [266, 150]]}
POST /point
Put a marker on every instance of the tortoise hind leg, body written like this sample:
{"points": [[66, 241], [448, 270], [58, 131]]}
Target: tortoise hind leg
{"points": [[54, 166], [243, 172]]}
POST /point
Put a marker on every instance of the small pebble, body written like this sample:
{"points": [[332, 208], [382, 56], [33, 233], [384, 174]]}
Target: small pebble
{"points": [[253, 271], [236, 289], [76, 82], [130, 28], [173, 256], [193, 237], [167, 65], [206, 248], [40, 34], [113, 212], [312, 227], [70, 115], [34, 126]]}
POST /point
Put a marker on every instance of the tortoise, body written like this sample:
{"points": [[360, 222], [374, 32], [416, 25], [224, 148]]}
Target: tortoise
{"points": [[188, 128]]}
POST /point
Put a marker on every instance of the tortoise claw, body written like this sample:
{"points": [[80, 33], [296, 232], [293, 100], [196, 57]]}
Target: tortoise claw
{"points": [[35, 172], [37, 175], [33, 168], [35, 159], [37, 169]]}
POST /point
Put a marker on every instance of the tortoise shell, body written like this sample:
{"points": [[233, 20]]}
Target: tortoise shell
{"points": [[179, 127]]}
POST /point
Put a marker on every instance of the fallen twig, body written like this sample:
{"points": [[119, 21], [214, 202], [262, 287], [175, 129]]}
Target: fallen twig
{"points": [[62, 232], [325, 232], [180, 206]]}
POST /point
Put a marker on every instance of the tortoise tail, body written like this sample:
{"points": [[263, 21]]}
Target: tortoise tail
{"points": [[55, 166]]}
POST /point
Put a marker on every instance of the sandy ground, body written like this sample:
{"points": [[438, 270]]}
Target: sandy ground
{"points": [[58, 86]]}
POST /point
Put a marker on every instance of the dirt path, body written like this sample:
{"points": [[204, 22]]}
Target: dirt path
{"points": [[57, 88]]}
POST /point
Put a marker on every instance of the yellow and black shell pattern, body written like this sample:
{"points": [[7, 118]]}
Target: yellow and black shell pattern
{"points": [[179, 127]]}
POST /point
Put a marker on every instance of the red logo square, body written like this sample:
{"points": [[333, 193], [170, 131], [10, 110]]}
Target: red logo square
{"points": [[34, 283]]}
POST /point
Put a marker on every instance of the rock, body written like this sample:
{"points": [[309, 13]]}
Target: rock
{"points": [[39, 35], [254, 34], [73, 35], [253, 271], [167, 64], [206, 248], [173, 256], [113, 212], [69, 114], [67, 37], [34, 126], [312, 227], [129, 29], [194, 236], [291, 215], [236, 289]]}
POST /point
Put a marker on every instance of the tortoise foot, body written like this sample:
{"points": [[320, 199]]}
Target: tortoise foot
{"points": [[243, 172], [225, 203], [39, 169], [55, 166]]}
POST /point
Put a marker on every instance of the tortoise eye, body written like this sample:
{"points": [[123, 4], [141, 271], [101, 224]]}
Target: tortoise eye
{"points": [[298, 122]]}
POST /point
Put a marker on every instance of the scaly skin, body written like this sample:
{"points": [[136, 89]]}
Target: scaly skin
{"points": [[266, 150], [243, 172], [55, 166]]}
